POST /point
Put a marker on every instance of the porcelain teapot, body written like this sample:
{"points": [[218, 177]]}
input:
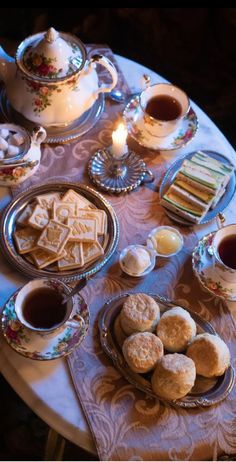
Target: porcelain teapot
{"points": [[51, 82]]}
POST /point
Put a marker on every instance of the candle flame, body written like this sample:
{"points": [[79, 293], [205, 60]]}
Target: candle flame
{"points": [[119, 146], [121, 130]]}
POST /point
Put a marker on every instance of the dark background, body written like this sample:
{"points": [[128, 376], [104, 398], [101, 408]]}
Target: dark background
{"points": [[194, 48]]}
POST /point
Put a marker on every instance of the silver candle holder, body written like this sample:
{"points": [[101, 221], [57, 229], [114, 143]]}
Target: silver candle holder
{"points": [[118, 175]]}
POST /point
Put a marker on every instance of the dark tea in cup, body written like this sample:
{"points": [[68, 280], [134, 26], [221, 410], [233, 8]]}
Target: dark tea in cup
{"points": [[163, 107], [224, 252], [39, 305], [43, 308], [227, 251]]}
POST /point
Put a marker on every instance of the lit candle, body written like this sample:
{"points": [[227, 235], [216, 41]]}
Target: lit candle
{"points": [[119, 146]]}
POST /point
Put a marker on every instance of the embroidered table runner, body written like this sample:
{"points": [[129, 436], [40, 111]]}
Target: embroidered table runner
{"points": [[125, 423]]}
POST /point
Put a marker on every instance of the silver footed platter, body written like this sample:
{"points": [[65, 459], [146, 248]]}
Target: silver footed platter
{"points": [[206, 392], [55, 134], [21, 263]]}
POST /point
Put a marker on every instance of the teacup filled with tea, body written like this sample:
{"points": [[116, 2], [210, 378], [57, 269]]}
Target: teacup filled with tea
{"points": [[162, 107], [40, 307], [224, 251]]}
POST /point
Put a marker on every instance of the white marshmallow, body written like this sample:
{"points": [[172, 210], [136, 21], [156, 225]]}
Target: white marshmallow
{"points": [[17, 139], [12, 151], [2, 155], [3, 144], [4, 133]]}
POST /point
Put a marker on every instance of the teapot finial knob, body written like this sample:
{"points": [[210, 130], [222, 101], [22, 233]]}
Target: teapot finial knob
{"points": [[51, 35]]}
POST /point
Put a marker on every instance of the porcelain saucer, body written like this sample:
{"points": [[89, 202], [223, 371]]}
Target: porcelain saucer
{"points": [[203, 268], [43, 347], [178, 139]]}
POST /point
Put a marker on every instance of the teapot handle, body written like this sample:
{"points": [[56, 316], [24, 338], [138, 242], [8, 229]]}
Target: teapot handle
{"points": [[105, 88]]}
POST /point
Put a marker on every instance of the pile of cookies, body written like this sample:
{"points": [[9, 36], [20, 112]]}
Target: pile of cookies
{"points": [[168, 345], [63, 229]]}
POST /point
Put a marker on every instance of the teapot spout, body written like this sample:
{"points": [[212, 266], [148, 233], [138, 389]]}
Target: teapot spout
{"points": [[7, 66]]}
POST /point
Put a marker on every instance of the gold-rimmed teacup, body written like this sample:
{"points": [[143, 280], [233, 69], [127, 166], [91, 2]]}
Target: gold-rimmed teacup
{"points": [[223, 249], [39, 306], [161, 109]]}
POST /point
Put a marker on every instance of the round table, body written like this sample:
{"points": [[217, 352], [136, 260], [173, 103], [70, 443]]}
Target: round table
{"points": [[46, 387]]}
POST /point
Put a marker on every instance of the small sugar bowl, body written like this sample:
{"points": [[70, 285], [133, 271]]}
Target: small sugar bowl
{"points": [[20, 153]]}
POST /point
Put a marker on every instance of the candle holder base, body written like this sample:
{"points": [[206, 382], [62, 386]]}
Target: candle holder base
{"points": [[118, 175]]}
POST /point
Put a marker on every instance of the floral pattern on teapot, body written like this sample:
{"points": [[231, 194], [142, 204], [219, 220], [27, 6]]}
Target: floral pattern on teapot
{"points": [[41, 65], [52, 83], [42, 94]]}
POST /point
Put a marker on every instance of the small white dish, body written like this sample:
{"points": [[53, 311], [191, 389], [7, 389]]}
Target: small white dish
{"points": [[126, 270], [151, 241]]}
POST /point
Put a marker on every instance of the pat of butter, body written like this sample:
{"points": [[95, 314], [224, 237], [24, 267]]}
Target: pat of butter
{"points": [[136, 260]]}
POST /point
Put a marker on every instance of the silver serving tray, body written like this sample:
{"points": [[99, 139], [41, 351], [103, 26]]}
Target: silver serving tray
{"points": [[223, 202], [206, 392], [55, 134], [20, 262]]}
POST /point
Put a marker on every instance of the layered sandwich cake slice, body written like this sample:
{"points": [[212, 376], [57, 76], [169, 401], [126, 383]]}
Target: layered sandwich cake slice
{"points": [[198, 186], [204, 160], [211, 179], [184, 204]]}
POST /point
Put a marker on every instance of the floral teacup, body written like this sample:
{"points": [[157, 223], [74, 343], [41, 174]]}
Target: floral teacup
{"points": [[39, 306], [162, 107], [223, 249]]}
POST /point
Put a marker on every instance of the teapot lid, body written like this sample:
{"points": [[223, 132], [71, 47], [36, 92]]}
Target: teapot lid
{"points": [[51, 56]]}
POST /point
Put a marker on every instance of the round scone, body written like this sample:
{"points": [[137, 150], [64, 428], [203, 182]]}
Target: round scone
{"points": [[210, 355], [118, 331], [142, 351], [174, 376], [176, 329], [140, 313]]}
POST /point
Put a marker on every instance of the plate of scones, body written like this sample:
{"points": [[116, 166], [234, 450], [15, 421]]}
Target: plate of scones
{"points": [[66, 230], [167, 351]]}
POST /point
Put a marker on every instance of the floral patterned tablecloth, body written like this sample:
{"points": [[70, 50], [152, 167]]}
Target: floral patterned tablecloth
{"points": [[126, 424]]}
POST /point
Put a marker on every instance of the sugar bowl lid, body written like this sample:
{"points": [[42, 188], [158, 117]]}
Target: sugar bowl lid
{"points": [[51, 56]]}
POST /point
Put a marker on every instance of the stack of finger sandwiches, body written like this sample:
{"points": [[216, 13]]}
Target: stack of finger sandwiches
{"points": [[64, 230], [198, 186]]}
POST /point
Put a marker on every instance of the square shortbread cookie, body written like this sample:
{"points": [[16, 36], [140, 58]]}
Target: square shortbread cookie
{"points": [[91, 251], [54, 237], [46, 200], [82, 230], [25, 214], [39, 218], [42, 258], [72, 196], [73, 257], [26, 239], [63, 210], [98, 215]]}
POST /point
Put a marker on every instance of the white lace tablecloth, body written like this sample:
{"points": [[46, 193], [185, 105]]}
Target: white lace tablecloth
{"points": [[36, 382]]}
